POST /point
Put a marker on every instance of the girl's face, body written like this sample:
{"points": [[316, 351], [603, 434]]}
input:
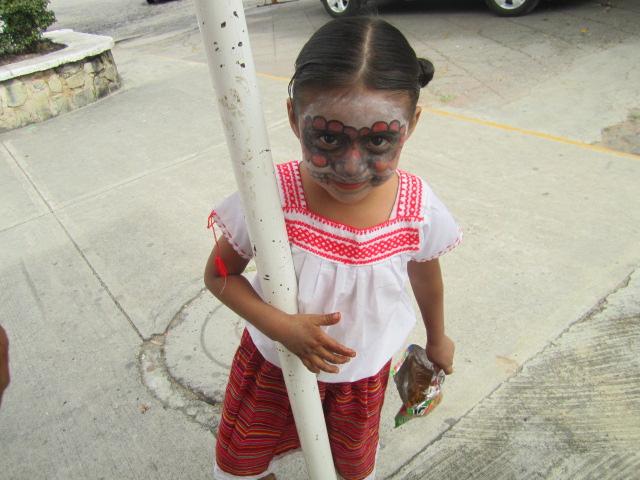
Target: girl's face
{"points": [[351, 139]]}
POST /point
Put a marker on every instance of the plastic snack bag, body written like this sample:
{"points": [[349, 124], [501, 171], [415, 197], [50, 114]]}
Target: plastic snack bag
{"points": [[419, 384]]}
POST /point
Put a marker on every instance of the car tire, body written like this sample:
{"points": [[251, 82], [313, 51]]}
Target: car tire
{"points": [[151, 1], [511, 8], [341, 8]]}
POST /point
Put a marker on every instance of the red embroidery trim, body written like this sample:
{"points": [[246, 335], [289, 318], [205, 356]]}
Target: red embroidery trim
{"points": [[220, 266], [228, 235], [347, 244], [447, 249], [352, 252]]}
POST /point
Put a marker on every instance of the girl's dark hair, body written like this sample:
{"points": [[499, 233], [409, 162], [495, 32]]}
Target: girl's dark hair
{"points": [[352, 50]]}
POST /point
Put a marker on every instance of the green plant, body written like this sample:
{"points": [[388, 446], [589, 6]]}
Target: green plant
{"points": [[448, 98], [23, 22]]}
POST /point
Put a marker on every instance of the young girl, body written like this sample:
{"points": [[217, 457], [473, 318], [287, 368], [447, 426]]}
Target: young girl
{"points": [[358, 229]]}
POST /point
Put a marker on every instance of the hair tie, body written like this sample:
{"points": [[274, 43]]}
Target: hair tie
{"points": [[426, 72]]}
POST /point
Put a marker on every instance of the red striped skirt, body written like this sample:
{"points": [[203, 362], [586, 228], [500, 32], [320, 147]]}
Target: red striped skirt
{"points": [[257, 424]]}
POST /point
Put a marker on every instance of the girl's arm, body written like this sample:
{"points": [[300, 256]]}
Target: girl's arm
{"points": [[426, 282], [300, 334]]}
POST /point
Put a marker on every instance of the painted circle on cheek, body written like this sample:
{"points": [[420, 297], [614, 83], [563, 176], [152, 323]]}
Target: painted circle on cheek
{"points": [[380, 166], [319, 161], [307, 153]]}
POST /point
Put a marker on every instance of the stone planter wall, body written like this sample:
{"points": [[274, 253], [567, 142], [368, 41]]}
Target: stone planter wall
{"points": [[58, 82]]}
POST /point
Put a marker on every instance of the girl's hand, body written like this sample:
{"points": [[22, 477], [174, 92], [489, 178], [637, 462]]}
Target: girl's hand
{"points": [[441, 353], [317, 350]]}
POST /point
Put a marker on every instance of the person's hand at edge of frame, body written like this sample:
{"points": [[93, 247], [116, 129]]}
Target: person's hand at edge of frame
{"points": [[5, 377]]}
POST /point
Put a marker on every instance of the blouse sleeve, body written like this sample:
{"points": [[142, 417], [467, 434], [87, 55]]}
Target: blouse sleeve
{"points": [[229, 216], [440, 232]]}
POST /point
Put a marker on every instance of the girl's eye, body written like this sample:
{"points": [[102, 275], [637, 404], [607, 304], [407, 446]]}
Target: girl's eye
{"points": [[329, 139], [378, 141]]}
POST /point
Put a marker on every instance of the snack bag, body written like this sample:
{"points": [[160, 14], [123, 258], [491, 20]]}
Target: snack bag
{"points": [[419, 384]]}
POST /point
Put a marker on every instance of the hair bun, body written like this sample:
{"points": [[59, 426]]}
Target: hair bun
{"points": [[426, 72]]}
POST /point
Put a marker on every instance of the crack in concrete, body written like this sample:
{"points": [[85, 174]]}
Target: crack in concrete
{"points": [[171, 394], [73, 241], [600, 306]]}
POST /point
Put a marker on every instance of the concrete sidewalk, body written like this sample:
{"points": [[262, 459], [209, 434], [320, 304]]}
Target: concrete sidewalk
{"points": [[119, 357]]}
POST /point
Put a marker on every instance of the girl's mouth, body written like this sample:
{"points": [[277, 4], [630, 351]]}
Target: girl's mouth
{"points": [[349, 186]]}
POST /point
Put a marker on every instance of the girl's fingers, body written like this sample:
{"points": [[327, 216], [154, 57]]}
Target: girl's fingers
{"points": [[339, 349], [310, 366], [324, 361], [316, 365], [327, 367], [333, 358], [321, 364], [328, 319], [326, 352], [332, 345]]}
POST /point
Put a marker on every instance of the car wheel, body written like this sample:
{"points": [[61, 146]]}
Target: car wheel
{"points": [[341, 8], [511, 8], [151, 1]]}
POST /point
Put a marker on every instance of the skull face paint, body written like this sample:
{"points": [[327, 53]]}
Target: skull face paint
{"points": [[350, 155], [352, 138]]}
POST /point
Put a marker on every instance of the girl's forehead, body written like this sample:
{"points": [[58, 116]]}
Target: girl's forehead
{"points": [[356, 108]]}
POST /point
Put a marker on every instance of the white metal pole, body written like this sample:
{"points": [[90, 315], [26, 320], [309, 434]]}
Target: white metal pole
{"points": [[226, 39]]}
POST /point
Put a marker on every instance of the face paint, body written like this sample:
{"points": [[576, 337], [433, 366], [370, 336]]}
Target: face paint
{"points": [[348, 155], [352, 138]]}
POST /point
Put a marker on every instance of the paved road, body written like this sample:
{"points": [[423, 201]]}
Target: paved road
{"points": [[487, 66], [123, 19], [501, 70]]}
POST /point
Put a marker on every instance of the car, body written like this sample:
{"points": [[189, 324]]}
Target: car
{"points": [[504, 8]]}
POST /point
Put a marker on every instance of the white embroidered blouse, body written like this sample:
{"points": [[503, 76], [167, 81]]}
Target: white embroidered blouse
{"points": [[360, 273]]}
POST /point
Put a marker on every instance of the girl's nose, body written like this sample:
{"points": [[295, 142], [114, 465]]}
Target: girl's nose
{"points": [[352, 164]]}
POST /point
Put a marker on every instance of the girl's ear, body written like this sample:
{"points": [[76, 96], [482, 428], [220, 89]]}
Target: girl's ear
{"points": [[414, 121], [292, 118]]}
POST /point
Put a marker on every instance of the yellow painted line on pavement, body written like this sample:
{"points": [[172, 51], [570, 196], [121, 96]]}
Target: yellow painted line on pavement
{"points": [[167, 57], [458, 116], [196, 62], [274, 77], [529, 132]]}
